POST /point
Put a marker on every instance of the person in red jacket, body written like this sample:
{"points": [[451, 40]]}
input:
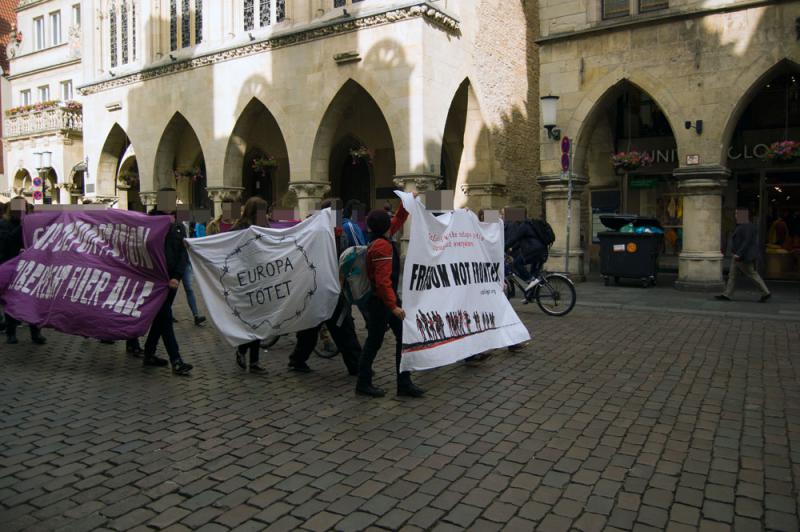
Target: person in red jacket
{"points": [[384, 307]]}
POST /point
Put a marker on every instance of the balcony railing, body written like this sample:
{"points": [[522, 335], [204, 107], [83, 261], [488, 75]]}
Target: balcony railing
{"points": [[54, 119]]}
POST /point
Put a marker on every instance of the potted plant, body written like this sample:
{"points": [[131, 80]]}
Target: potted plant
{"points": [[361, 153], [128, 178], [783, 151], [262, 165], [628, 161]]}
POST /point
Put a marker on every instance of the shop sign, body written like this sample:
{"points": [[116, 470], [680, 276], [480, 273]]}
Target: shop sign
{"points": [[759, 151], [643, 182]]}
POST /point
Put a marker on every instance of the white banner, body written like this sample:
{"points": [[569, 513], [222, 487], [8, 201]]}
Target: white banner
{"points": [[453, 289], [260, 282]]}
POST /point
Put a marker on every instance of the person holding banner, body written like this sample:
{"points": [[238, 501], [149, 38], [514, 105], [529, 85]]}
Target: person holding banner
{"points": [[254, 213], [11, 244], [384, 307], [177, 258]]}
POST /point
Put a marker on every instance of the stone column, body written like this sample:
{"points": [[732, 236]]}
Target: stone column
{"points": [[122, 192], [419, 183], [65, 193], [700, 261], [485, 195], [221, 194], [554, 193], [148, 199], [309, 194]]}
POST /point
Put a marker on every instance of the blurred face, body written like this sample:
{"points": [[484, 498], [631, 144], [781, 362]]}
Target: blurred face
{"points": [[227, 210], [17, 208], [167, 201], [182, 214], [742, 216], [261, 216]]}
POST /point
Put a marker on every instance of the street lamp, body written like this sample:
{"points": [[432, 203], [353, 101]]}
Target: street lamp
{"points": [[549, 108], [43, 161]]}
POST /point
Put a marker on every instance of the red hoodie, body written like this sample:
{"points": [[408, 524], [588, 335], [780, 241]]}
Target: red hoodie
{"points": [[379, 262]]}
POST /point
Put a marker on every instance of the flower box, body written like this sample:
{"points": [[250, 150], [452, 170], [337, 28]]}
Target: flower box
{"points": [[631, 160], [783, 152]]}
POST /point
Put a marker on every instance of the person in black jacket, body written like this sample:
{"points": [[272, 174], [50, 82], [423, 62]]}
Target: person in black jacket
{"points": [[744, 247], [162, 328], [11, 245], [525, 246]]}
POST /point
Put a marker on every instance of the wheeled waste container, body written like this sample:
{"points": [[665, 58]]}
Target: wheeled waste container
{"points": [[631, 255]]}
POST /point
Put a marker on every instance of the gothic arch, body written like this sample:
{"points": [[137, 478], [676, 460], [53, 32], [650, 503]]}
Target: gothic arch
{"points": [[747, 86], [114, 147]]}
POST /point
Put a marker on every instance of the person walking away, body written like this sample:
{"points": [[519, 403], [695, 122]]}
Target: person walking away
{"points": [[340, 326], [355, 236], [253, 214], [744, 247], [176, 257], [383, 270], [11, 244], [188, 277]]}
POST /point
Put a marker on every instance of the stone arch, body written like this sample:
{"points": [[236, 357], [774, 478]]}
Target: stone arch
{"points": [[583, 119], [114, 147], [354, 112], [748, 86], [22, 181], [257, 134], [180, 163], [466, 143]]}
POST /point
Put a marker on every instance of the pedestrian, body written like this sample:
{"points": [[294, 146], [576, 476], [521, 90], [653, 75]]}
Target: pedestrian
{"points": [[744, 248], [224, 222], [353, 233], [11, 245], [253, 214], [176, 258], [340, 326], [188, 277], [383, 270]]}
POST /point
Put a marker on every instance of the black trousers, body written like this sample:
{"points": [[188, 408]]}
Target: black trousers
{"points": [[379, 318], [255, 349], [13, 323], [162, 329], [343, 333]]}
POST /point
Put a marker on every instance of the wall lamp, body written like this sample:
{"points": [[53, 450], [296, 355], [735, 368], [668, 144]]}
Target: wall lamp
{"points": [[549, 107], [698, 126]]}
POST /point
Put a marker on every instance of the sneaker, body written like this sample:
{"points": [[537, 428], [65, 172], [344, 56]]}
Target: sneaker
{"points": [[198, 320], [370, 391], [722, 297], [300, 367], [410, 390], [152, 360], [764, 298], [12, 339], [518, 347], [255, 368], [240, 361], [181, 368], [135, 350], [39, 339]]}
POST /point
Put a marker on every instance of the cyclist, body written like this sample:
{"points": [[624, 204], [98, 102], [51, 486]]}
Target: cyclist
{"points": [[525, 247]]}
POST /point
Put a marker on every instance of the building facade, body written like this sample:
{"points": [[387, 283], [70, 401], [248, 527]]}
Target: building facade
{"points": [[295, 100], [8, 34], [705, 88], [42, 126]]}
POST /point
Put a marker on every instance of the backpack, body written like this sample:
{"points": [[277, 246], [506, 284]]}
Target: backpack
{"points": [[353, 270], [543, 231]]}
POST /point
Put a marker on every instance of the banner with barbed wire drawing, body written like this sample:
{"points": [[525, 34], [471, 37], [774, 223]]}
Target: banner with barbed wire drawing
{"points": [[261, 282], [453, 289]]}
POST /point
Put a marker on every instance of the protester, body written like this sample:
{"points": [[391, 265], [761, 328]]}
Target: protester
{"points": [[3, 210], [355, 237], [383, 270], [744, 246], [224, 222], [340, 326], [254, 213], [162, 327], [188, 277], [11, 244]]}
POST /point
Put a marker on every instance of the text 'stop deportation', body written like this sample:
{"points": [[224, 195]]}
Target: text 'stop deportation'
{"points": [[260, 282]]}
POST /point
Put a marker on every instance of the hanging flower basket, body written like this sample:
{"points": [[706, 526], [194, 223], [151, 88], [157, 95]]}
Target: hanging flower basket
{"points": [[784, 151], [361, 153], [17, 36], [631, 160], [130, 179], [189, 175], [262, 165]]}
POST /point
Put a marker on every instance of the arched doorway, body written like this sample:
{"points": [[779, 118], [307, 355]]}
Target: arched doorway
{"points": [[354, 148], [180, 164], [22, 183], [627, 125], [129, 179], [765, 175], [114, 148], [257, 158]]}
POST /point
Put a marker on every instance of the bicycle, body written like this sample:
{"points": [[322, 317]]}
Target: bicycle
{"points": [[553, 292]]}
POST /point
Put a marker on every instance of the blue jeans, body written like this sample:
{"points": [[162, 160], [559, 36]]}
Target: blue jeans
{"points": [[188, 275]]}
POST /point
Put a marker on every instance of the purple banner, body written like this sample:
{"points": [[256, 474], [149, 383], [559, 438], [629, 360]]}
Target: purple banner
{"points": [[99, 274]]}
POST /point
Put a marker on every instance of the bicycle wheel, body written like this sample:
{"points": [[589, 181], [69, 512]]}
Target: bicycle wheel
{"points": [[555, 295]]}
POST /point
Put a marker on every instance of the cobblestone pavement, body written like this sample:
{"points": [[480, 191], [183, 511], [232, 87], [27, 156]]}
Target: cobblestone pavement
{"points": [[610, 419]]}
